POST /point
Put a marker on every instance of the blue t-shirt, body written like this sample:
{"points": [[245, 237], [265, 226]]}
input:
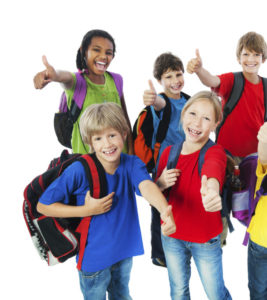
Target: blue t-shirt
{"points": [[115, 235], [175, 133]]}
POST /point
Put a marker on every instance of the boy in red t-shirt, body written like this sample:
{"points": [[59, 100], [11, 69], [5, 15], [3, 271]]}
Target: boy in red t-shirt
{"points": [[195, 201], [239, 132]]}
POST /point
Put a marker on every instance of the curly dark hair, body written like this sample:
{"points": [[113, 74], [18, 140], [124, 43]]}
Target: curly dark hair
{"points": [[167, 61], [80, 63]]}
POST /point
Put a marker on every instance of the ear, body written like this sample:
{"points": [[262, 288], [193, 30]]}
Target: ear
{"points": [[124, 136]]}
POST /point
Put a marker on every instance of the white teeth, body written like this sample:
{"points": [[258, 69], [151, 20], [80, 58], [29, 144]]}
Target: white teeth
{"points": [[100, 63], [194, 131], [109, 152]]}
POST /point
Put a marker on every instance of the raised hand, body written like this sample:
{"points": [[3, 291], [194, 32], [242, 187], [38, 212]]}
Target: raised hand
{"points": [[98, 206], [168, 226], [210, 198], [150, 95], [41, 79], [168, 178], [194, 64], [262, 134]]}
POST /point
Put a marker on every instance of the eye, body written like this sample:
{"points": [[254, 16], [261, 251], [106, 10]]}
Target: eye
{"points": [[192, 113], [207, 118], [96, 138], [109, 53], [96, 49]]}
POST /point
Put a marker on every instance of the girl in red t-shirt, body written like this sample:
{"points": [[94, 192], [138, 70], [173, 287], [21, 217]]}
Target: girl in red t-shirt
{"points": [[196, 202]]}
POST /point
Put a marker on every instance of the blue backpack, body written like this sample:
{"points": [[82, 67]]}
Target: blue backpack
{"points": [[245, 201], [226, 191]]}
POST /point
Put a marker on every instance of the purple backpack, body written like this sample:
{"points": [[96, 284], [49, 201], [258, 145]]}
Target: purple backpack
{"points": [[244, 202], [65, 118]]}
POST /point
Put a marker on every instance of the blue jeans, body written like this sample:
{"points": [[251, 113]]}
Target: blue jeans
{"points": [[114, 280], [208, 260], [257, 271]]}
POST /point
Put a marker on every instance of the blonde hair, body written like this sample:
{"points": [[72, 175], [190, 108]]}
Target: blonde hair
{"points": [[211, 97], [98, 117], [253, 42]]}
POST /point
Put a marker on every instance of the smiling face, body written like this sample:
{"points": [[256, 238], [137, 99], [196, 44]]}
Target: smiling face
{"points": [[108, 145], [99, 54], [172, 83], [250, 61], [199, 121]]}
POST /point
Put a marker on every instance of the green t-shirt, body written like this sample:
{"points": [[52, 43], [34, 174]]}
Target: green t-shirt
{"points": [[96, 93]]}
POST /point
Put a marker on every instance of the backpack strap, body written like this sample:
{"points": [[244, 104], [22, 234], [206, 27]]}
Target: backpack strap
{"points": [[162, 127], [78, 97], [95, 174], [176, 151], [237, 90], [118, 82]]}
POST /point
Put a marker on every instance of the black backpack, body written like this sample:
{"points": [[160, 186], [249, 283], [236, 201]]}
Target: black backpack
{"points": [[235, 95], [143, 131], [58, 239]]}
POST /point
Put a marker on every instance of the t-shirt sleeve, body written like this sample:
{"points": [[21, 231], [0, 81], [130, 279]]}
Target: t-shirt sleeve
{"points": [[225, 87], [139, 173], [214, 165], [69, 183]]}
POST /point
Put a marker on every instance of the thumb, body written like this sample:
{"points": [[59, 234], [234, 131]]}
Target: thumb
{"points": [[204, 184], [151, 86], [197, 54], [168, 211], [45, 62]]}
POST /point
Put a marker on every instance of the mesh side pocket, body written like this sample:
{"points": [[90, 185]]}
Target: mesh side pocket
{"points": [[60, 241]]}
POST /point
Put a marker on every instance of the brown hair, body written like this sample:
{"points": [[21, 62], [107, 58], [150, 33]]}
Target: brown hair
{"points": [[167, 61], [253, 42]]}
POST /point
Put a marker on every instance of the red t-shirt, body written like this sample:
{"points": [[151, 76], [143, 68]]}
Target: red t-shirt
{"points": [[193, 223], [239, 132]]}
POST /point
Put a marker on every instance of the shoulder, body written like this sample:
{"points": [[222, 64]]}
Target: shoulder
{"points": [[216, 151]]}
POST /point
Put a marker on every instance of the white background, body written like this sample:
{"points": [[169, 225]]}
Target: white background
{"points": [[142, 30]]}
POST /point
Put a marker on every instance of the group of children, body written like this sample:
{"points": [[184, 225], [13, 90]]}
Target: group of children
{"points": [[190, 221]]}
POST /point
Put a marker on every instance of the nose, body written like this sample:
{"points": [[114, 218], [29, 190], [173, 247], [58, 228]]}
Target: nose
{"points": [[197, 121]]}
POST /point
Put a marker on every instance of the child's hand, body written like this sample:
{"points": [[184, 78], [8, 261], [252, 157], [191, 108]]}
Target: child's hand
{"points": [[150, 95], [194, 64], [41, 79], [262, 134], [168, 178], [97, 206], [210, 198], [168, 227]]}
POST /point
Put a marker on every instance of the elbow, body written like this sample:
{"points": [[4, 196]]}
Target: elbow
{"points": [[41, 208]]}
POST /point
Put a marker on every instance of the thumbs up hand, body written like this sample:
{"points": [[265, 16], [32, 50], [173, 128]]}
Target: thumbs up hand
{"points": [[194, 64], [150, 97], [210, 197], [41, 79]]}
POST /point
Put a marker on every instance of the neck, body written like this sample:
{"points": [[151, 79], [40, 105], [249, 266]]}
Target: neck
{"points": [[97, 79], [253, 78], [176, 96], [191, 147]]}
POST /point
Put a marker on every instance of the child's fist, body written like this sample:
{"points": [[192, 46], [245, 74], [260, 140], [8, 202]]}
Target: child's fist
{"points": [[150, 95], [194, 64]]}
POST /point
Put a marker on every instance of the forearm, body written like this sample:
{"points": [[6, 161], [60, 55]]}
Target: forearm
{"points": [[153, 195], [159, 103], [65, 78], [60, 210], [208, 79]]}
